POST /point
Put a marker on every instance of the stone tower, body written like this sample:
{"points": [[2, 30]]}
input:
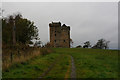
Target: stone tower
{"points": [[59, 35]]}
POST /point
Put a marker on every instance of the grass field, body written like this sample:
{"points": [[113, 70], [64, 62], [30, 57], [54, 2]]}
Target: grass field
{"points": [[89, 63], [94, 63]]}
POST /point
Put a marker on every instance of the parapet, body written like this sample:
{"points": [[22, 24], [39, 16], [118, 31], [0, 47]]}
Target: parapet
{"points": [[55, 24], [65, 27], [58, 24]]}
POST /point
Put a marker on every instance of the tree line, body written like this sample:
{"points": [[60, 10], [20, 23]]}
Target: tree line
{"points": [[101, 44], [25, 31]]}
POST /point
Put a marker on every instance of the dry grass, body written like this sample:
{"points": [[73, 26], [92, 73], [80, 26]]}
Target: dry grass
{"points": [[12, 56]]}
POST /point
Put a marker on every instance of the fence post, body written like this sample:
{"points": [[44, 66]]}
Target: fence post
{"points": [[24, 53], [11, 57]]}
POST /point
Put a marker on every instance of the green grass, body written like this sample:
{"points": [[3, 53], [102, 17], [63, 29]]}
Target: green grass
{"points": [[60, 68], [93, 63], [32, 68], [90, 63]]}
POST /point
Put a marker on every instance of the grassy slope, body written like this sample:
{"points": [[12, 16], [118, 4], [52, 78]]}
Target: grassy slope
{"points": [[90, 63], [33, 68], [94, 63], [60, 69]]}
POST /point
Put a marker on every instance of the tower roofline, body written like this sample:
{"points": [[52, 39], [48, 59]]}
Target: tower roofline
{"points": [[55, 24]]}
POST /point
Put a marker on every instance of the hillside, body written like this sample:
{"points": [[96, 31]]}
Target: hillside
{"points": [[88, 63]]}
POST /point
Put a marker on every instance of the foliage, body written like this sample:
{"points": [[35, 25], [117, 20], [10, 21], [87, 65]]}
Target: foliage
{"points": [[87, 44], [101, 44], [30, 42], [32, 68], [79, 46], [38, 43], [25, 30], [89, 63], [21, 53]]}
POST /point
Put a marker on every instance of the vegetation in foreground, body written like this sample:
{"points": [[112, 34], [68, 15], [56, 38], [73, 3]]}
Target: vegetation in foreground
{"points": [[33, 68], [93, 63], [90, 63], [22, 54], [61, 68]]}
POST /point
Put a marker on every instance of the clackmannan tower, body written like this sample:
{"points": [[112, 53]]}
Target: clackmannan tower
{"points": [[59, 35]]}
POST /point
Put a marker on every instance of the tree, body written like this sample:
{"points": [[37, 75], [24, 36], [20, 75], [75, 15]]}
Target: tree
{"points": [[101, 44], [38, 44], [94, 47], [30, 42], [106, 44], [25, 29], [87, 44]]}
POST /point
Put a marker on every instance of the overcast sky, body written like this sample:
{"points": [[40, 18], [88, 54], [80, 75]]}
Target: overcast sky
{"points": [[89, 21]]}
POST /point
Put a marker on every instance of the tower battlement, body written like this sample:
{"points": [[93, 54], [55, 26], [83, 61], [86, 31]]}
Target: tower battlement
{"points": [[55, 24]]}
